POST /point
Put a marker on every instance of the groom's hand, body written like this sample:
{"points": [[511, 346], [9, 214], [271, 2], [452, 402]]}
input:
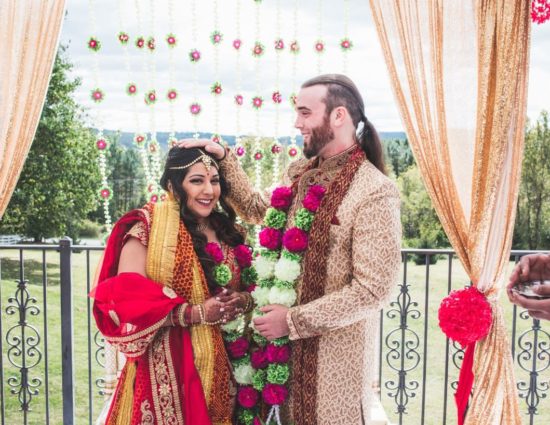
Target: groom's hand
{"points": [[272, 324], [211, 147]]}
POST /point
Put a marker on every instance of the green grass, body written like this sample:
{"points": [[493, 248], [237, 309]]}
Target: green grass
{"points": [[435, 355]]}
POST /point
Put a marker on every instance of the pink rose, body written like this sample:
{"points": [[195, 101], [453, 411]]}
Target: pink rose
{"points": [[247, 397], [243, 254], [270, 238], [237, 348], [281, 198], [214, 250], [258, 359], [311, 203], [295, 240], [257, 421], [274, 394], [316, 190], [277, 354], [250, 288]]}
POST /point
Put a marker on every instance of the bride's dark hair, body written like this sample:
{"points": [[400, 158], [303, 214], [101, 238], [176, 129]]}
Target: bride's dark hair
{"points": [[222, 219]]}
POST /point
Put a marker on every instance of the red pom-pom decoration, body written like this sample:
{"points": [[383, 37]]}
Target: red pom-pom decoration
{"points": [[465, 316]]}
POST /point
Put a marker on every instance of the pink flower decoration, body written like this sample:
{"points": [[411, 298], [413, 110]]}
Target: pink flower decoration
{"points": [[279, 44], [317, 190], [97, 95], [171, 40], [250, 288], [150, 188], [281, 198], [295, 240], [238, 348], [195, 108], [293, 99], [258, 359], [257, 102], [172, 94], [140, 42], [240, 151], [270, 238], [215, 138], [105, 193], [214, 250], [274, 394], [101, 144], [294, 47], [154, 198], [311, 202], [131, 89], [540, 11], [258, 156], [277, 354], [123, 37], [276, 96], [194, 55], [237, 44], [239, 99], [163, 197], [243, 255], [247, 397], [292, 152], [257, 421], [276, 149], [151, 43]]}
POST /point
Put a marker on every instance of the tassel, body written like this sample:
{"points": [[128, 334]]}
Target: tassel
{"points": [[275, 414]]}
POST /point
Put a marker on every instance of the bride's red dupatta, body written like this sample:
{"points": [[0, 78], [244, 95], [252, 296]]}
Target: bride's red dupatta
{"points": [[160, 381]]}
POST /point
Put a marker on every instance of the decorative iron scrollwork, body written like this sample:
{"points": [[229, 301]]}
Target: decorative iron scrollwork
{"points": [[403, 344], [23, 340]]}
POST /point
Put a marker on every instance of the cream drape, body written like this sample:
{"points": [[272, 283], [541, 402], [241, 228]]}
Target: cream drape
{"points": [[459, 73], [29, 30]]}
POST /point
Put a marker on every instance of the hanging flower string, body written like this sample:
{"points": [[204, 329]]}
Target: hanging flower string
{"points": [[278, 268], [540, 11], [233, 332]]}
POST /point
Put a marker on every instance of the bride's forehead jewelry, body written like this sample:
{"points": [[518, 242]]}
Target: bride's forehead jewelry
{"points": [[206, 160]]}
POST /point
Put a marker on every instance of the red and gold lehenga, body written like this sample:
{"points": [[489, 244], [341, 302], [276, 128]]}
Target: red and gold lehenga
{"points": [[173, 375]]}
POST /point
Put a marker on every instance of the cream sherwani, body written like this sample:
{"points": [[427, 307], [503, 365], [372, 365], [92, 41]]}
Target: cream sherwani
{"points": [[362, 272]]}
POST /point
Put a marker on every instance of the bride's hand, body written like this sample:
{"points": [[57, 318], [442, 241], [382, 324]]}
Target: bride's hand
{"points": [[217, 150]]}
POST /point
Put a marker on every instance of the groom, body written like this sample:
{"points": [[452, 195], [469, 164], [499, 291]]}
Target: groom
{"points": [[354, 267]]}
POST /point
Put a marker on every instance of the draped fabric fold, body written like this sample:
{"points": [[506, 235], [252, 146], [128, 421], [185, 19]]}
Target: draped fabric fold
{"points": [[459, 73], [29, 30]]}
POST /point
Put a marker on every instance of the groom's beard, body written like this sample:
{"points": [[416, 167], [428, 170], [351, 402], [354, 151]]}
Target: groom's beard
{"points": [[320, 137]]}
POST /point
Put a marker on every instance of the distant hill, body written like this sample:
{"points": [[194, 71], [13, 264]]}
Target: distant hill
{"points": [[127, 139]]}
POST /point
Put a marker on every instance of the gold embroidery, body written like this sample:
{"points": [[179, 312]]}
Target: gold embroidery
{"points": [[164, 384], [147, 417], [138, 334], [163, 241]]}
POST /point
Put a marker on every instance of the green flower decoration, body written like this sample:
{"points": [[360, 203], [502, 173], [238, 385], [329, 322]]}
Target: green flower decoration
{"points": [[260, 340], [222, 274], [271, 255], [249, 275], [304, 219], [277, 373], [231, 336], [266, 283], [246, 416], [243, 360], [275, 218], [283, 284], [281, 341], [259, 379], [291, 255]]}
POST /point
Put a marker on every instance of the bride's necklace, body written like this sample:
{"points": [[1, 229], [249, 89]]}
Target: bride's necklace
{"points": [[202, 226]]}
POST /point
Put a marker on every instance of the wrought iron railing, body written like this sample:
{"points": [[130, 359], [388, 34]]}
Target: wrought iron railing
{"points": [[51, 367]]}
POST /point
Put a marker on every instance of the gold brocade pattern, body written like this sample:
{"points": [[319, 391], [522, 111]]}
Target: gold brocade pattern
{"points": [[479, 222]]}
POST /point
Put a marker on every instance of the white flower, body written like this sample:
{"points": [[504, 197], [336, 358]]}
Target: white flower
{"points": [[261, 296], [282, 296], [287, 270], [264, 267], [234, 325], [243, 374]]}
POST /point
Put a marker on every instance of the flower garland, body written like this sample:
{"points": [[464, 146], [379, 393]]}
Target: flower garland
{"points": [[540, 11], [233, 332], [278, 268]]}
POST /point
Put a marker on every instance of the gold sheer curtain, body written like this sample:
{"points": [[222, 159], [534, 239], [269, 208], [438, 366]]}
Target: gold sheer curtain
{"points": [[459, 72], [29, 30]]}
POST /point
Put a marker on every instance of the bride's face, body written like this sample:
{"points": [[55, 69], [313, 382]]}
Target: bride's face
{"points": [[203, 190]]}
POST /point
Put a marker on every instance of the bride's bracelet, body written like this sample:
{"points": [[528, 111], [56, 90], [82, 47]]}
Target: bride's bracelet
{"points": [[202, 316]]}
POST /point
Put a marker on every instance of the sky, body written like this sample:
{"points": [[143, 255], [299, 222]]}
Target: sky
{"points": [[114, 66]]}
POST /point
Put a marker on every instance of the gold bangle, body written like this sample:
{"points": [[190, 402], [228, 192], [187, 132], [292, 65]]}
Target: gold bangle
{"points": [[181, 319], [202, 315]]}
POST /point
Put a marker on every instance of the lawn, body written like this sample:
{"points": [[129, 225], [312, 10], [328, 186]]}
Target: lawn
{"points": [[47, 301]]}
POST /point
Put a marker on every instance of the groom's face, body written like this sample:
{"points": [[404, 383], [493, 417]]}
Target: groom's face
{"points": [[312, 120]]}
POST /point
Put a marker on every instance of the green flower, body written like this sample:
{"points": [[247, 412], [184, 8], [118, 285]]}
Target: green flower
{"points": [[283, 284], [260, 340], [277, 373], [281, 341], [239, 362], [304, 219], [246, 416], [291, 256], [249, 275], [275, 218], [222, 274], [266, 283], [259, 379], [231, 336], [271, 255]]}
